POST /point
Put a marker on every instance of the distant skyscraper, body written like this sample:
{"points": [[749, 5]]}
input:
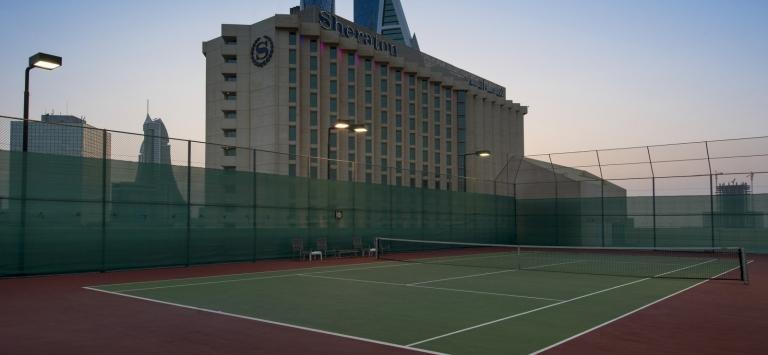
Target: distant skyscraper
{"points": [[326, 5], [61, 135], [387, 18], [155, 148]]}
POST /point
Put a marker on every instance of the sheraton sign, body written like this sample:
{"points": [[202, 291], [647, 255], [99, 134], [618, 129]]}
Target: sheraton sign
{"points": [[331, 22]]}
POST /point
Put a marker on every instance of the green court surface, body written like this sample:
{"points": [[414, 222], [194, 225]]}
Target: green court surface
{"points": [[435, 304]]}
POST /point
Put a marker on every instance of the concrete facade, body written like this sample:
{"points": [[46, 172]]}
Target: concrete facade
{"points": [[422, 114]]}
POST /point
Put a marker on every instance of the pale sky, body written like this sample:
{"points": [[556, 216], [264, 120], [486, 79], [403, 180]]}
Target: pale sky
{"points": [[595, 74]]}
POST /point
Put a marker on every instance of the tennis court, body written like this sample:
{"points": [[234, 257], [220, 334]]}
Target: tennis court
{"points": [[453, 298]]}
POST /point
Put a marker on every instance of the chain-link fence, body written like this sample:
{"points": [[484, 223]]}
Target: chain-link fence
{"points": [[83, 198]]}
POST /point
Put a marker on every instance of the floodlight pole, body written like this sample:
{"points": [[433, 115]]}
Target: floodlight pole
{"points": [[25, 133]]}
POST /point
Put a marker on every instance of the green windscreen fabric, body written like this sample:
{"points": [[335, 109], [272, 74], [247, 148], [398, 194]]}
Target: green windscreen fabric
{"points": [[88, 214]]}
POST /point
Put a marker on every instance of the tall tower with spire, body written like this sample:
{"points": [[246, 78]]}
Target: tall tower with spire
{"points": [[155, 148], [387, 18]]}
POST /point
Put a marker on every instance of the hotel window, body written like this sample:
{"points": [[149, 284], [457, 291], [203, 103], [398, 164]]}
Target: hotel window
{"points": [[229, 40], [425, 127], [313, 81], [313, 136], [412, 153], [448, 160], [313, 46], [313, 118], [292, 95], [230, 151], [230, 133], [398, 151], [437, 143], [313, 172], [412, 138], [368, 97], [332, 53], [291, 169], [411, 80], [351, 74], [332, 139], [313, 100], [448, 132], [437, 130], [412, 109], [437, 102], [368, 114], [384, 101], [411, 94], [292, 152], [231, 59], [384, 85], [334, 105], [333, 69], [424, 113], [291, 56], [398, 105], [313, 153], [313, 62], [384, 163], [437, 116], [448, 147], [398, 136], [334, 87], [437, 158], [384, 117], [367, 65], [384, 133], [424, 85], [292, 38], [351, 108], [437, 89], [351, 92], [351, 143], [292, 76], [425, 155], [384, 71], [398, 90], [230, 77], [230, 114], [368, 80], [230, 96], [399, 181], [398, 76], [424, 142], [412, 167], [398, 120], [383, 148], [351, 59], [368, 147], [424, 98], [291, 133]]}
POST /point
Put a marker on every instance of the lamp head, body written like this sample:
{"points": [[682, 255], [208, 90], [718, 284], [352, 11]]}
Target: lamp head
{"points": [[45, 61], [359, 128], [483, 153], [341, 125]]}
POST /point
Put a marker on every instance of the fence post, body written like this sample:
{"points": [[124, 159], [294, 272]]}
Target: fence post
{"points": [[557, 208], [104, 135], [189, 202], [253, 208], [711, 197], [653, 189], [602, 200]]}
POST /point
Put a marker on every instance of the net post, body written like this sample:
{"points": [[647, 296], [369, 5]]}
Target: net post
{"points": [[188, 229], [518, 258], [104, 171], [743, 266], [377, 246]]}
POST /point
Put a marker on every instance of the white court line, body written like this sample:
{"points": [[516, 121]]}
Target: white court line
{"points": [[268, 321], [551, 305], [632, 312], [432, 288], [461, 277], [492, 273], [401, 264]]}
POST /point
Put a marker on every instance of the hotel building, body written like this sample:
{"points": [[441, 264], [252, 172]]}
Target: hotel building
{"points": [[282, 83]]}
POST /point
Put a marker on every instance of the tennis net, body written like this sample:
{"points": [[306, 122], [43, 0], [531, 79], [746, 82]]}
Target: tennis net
{"points": [[685, 263]]}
